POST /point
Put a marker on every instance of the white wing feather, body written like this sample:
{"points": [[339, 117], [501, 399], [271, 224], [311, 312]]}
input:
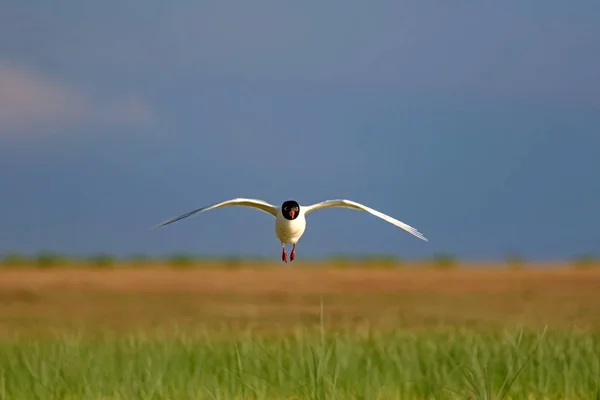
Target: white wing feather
{"points": [[253, 203], [357, 206]]}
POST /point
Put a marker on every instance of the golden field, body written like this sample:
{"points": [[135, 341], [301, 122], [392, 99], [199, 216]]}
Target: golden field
{"points": [[128, 297]]}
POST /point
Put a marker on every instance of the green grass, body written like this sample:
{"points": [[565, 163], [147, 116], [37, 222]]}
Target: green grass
{"points": [[182, 260], [49, 259], [13, 260], [102, 260], [400, 365], [586, 261], [515, 261], [444, 261]]}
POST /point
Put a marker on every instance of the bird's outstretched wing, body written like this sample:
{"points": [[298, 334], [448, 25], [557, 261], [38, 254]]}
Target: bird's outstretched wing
{"points": [[254, 203], [357, 206]]}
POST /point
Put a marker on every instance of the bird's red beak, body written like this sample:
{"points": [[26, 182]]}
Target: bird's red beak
{"points": [[292, 213]]}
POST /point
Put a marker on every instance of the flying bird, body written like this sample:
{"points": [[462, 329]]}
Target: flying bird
{"points": [[290, 218]]}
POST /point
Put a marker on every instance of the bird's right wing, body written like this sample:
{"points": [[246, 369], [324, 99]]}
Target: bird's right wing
{"points": [[254, 203]]}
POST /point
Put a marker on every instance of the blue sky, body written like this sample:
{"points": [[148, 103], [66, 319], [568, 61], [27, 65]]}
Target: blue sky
{"points": [[476, 122]]}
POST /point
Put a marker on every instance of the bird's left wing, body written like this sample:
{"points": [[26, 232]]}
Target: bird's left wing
{"points": [[254, 203], [357, 206]]}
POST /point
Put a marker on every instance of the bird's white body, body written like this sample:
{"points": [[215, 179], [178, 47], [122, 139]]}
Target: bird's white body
{"points": [[290, 218], [290, 231]]}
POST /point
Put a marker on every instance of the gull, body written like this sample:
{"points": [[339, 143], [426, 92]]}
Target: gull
{"points": [[290, 218]]}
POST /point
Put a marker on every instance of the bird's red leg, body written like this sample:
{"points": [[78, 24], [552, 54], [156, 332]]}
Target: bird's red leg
{"points": [[293, 254], [283, 254]]}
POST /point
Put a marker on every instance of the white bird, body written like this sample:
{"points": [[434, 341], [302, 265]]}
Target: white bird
{"points": [[290, 221]]}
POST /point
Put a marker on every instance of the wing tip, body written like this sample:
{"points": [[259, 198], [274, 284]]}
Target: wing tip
{"points": [[418, 234], [161, 224], [421, 236]]}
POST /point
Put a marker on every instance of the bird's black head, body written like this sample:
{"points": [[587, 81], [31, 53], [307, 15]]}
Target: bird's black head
{"points": [[290, 209]]}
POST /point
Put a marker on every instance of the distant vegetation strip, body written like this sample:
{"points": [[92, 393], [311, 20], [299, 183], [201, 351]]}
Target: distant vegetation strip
{"points": [[49, 259]]}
